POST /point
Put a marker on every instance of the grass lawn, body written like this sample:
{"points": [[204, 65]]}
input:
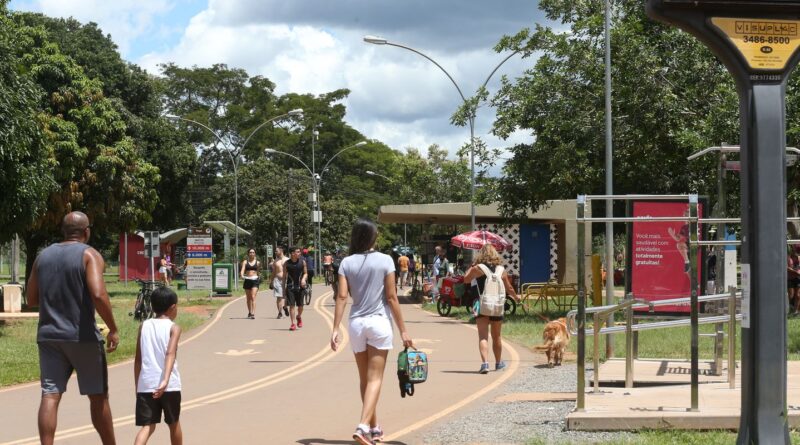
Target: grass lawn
{"points": [[19, 359], [675, 343]]}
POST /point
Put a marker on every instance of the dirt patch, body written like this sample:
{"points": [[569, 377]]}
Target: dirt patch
{"points": [[199, 310]]}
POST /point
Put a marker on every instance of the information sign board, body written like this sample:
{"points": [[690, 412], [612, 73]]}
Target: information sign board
{"points": [[198, 258], [660, 263]]}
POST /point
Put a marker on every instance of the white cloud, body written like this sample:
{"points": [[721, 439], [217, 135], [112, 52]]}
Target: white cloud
{"points": [[396, 96], [314, 46], [125, 20]]}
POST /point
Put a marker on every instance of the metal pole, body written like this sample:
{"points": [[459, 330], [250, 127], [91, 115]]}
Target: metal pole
{"points": [[15, 259], [598, 325], [629, 345], [609, 185], [581, 393], [314, 204], [472, 170], [732, 338], [719, 253], [236, 217], [126, 257], [764, 417], [693, 301], [290, 234]]}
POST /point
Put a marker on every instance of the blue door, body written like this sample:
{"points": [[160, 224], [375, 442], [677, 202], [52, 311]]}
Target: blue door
{"points": [[534, 253]]}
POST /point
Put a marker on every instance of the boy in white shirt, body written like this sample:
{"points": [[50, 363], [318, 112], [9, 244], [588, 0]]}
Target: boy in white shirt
{"points": [[158, 383]]}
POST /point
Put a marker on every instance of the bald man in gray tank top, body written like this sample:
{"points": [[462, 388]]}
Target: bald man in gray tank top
{"points": [[67, 284]]}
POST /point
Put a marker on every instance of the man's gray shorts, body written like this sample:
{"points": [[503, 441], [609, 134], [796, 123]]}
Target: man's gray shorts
{"points": [[57, 360]]}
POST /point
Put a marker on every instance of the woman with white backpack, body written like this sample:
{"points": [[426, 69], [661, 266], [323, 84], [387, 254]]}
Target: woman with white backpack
{"points": [[491, 283]]}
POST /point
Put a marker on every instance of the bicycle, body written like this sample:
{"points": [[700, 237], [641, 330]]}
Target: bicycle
{"points": [[416, 287], [143, 309]]}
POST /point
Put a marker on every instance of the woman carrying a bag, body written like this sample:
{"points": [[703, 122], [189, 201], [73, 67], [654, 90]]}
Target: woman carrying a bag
{"points": [[489, 258], [369, 278]]}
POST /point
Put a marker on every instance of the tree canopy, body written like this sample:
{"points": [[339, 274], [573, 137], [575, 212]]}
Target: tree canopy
{"points": [[671, 98]]}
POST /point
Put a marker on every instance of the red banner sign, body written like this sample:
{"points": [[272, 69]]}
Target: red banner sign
{"points": [[660, 265]]}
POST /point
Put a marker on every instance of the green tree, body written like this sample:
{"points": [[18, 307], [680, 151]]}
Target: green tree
{"points": [[671, 98], [136, 96], [23, 153], [96, 167]]}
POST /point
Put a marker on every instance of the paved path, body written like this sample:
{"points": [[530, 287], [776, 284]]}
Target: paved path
{"points": [[254, 381]]}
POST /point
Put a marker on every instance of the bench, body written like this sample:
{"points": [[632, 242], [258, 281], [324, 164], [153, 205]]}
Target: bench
{"points": [[563, 296]]}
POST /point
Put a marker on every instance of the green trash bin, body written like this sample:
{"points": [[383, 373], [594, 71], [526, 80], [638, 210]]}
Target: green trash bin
{"points": [[222, 274]]}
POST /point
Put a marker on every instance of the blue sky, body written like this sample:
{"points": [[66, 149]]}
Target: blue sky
{"points": [[316, 46]]}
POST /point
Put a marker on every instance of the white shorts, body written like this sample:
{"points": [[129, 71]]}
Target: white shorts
{"points": [[277, 285], [372, 330]]}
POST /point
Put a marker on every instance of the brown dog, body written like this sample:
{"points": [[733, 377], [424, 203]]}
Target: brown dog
{"points": [[556, 340]]}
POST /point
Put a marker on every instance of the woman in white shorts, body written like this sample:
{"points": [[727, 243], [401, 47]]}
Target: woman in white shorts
{"points": [[369, 278]]}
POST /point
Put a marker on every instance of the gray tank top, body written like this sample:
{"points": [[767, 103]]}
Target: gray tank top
{"points": [[66, 310]]}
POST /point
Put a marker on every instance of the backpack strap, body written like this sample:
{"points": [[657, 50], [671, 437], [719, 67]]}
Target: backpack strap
{"points": [[497, 271]]}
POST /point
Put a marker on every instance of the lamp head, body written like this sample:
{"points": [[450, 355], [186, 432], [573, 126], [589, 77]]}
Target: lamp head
{"points": [[296, 112], [361, 144], [171, 116], [375, 40], [370, 172], [269, 150]]}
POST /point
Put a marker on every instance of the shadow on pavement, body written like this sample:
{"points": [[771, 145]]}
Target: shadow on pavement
{"points": [[339, 442], [460, 372]]}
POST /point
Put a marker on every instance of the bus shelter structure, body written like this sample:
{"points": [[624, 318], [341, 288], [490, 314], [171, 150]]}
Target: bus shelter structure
{"points": [[544, 240]]}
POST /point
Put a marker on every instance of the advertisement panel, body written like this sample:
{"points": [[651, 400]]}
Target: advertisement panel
{"points": [[198, 269], [659, 254]]}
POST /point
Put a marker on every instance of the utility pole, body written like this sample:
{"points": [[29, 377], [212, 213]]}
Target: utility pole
{"points": [[291, 221]]}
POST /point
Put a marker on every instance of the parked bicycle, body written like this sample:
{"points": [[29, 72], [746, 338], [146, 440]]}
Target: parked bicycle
{"points": [[143, 309]]}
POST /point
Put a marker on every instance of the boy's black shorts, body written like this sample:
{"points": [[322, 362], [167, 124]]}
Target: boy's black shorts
{"points": [[148, 409]]}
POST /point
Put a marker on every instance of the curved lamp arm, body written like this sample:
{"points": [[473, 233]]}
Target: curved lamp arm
{"points": [[295, 112], [273, 151], [227, 148], [382, 41], [358, 144]]}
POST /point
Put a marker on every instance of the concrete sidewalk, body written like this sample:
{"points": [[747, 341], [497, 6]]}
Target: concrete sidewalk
{"points": [[254, 381]]}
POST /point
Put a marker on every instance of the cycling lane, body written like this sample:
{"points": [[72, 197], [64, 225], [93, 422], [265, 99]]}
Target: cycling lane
{"points": [[254, 381]]}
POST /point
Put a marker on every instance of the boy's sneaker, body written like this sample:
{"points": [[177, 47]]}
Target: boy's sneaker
{"points": [[252, 316], [299, 322], [292, 327], [280, 315], [377, 434], [499, 366], [363, 437], [484, 368], [286, 311]]}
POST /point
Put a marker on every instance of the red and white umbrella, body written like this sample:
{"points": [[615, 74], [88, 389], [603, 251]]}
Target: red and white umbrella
{"points": [[477, 239]]}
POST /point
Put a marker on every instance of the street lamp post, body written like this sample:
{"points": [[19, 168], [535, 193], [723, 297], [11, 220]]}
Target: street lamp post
{"points": [[316, 180], [382, 41], [234, 155]]}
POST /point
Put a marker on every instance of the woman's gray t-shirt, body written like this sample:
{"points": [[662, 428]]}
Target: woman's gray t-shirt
{"points": [[365, 273]]}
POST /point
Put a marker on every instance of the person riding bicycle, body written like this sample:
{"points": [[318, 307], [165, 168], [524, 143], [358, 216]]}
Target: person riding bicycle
{"points": [[327, 265]]}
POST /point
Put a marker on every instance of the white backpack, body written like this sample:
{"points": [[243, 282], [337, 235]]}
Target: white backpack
{"points": [[493, 298]]}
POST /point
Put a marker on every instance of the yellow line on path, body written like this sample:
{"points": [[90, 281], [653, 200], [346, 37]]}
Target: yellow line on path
{"points": [[510, 371], [308, 364]]}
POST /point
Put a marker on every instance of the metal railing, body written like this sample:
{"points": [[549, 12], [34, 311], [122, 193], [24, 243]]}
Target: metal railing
{"points": [[630, 305], [692, 219]]}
